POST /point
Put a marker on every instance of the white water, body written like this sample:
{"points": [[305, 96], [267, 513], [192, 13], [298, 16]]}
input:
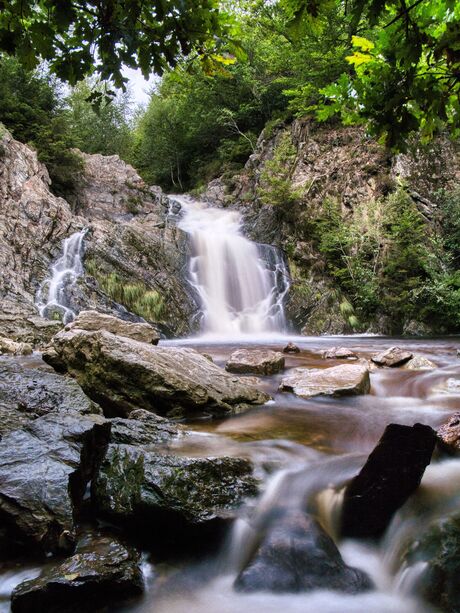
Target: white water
{"points": [[241, 285], [54, 291]]}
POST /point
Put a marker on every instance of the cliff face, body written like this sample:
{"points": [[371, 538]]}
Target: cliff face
{"points": [[129, 242], [320, 164]]}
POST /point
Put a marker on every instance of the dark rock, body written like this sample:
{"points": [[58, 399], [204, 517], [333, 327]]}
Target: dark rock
{"points": [[291, 348], [339, 353], [392, 473], [102, 572], [122, 375], [449, 434], [141, 485], [297, 555], [44, 469], [256, 361], [394, 356]]}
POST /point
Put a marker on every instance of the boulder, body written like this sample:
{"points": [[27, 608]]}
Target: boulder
{"points": [[164, 497], [93, 321], [339, 353], [14, 348], [392, 473], [122, 374], [102, 572], [297, 555], [255, 361], [343, 380], [418, 362], [291, 348], [394, 356], [44, 469], [449, 434], [28, 393]]}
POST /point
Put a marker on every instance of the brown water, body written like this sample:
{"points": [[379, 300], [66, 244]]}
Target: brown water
{"points": [[305, 450]]}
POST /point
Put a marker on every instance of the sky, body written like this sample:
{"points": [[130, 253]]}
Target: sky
{"points": [[138, 85]]}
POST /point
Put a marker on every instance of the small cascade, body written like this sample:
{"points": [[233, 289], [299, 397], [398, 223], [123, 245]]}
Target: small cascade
{"points": [[53, 295], [241, 285]]}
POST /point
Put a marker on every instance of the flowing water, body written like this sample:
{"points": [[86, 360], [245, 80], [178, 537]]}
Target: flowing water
{"points": [[240, 284], [53, 295]]}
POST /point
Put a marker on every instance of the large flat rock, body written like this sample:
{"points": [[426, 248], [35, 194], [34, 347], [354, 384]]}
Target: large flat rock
{"points": [[256, 361], [122, 374], [343, 380], [93, 321]]}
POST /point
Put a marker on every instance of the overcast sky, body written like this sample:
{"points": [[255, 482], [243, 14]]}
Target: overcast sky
{"points": [[138, 85]]}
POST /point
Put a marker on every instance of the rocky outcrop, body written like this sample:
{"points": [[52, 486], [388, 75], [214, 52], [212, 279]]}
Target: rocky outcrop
{"points": [[102, 572], [392, 473], [343, 380], [296, 555], [256, 361], [91, 321], [394, 356], [122, 375], [14, 348]]}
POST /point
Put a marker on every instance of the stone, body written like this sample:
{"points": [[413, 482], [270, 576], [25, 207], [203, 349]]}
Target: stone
{"points": [[121, 375], [394, 356], [418, 362], [449, 434], [102, 572], [256, 361], [339, 353], [14, 348], [343, 380], [44, 469], [297, 555], [143, 484], [391, 474], [449, 386], [291, 348], [93, 321]]}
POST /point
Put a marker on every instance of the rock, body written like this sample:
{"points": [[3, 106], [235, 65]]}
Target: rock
{"points": [[343, 380], [394, 356], [44, 469], [28, 393], [438, 547], [256, 361], [93, 321], [297, 555], [102, 572], [339, 353], [392, 473], [418, 362], [449, 434], [122, 375], [291, 348], [141, 485], [14, 348], [449, 386]]}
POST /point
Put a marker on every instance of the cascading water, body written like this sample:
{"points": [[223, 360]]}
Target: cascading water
{"points": [[241, 285], [53, 295]]}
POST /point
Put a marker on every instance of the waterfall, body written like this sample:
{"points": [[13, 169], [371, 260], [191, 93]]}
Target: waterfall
{"points": [[241, 285], [53, 295]]}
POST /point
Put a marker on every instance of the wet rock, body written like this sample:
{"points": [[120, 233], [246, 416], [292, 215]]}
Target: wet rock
{"points": [[256, 361], [418, 362], [13, 347], [297, 555], [394, 356], [93, 321], [102, 572], [291, 348], [122, 375], [44, 469], [392, 473], [141, 484], [449, 434], [339, 353], [439, 548], [343, 380]]}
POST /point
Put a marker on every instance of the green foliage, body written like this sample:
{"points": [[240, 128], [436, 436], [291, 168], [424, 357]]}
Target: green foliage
{"points": [[136, 297]]}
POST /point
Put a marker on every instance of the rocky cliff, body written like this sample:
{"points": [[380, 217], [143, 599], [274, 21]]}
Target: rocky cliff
{"points": [[129, 244]]}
